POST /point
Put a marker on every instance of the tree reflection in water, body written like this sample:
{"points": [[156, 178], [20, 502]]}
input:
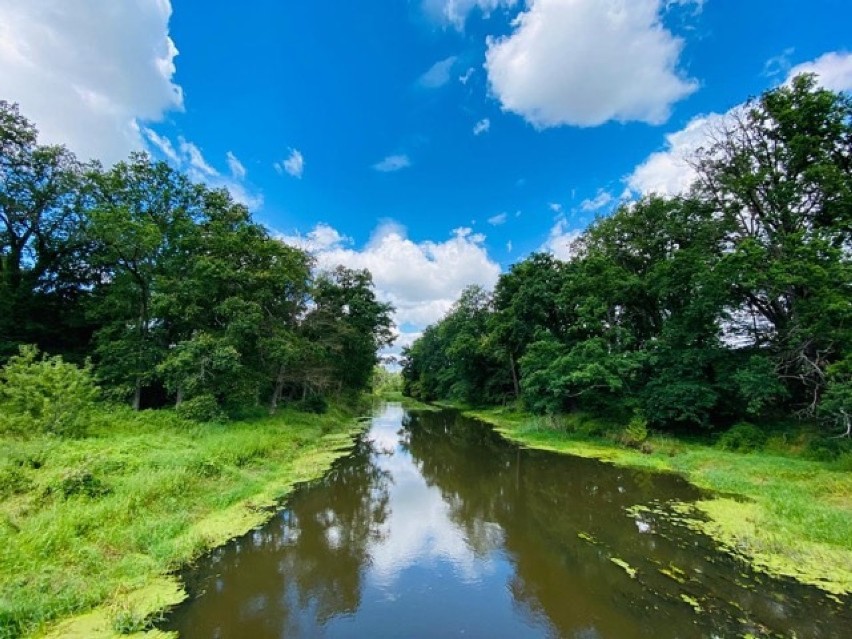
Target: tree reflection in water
{"points": [[435, 526]]}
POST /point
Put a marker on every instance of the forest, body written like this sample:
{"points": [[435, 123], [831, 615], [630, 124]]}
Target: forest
{"points": [[159, 291], [728, 305]]}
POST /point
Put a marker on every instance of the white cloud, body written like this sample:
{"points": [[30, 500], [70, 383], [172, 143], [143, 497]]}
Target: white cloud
{"points": [[294, 164], [585, 62], [89, 72], [483, 126], [779, 64], [668, 172], [833, 70], [438, 74], [509, 246], [497, 220], [555, 207], [421, 279], [392, 163], [600, 201], [238, 171], [455, 12], [560, 240], [163, 145], [187, 157], [465, 77], [199, 169]]}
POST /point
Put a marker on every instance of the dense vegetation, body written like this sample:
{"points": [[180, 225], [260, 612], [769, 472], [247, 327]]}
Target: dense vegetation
{"points": [[730, 303], [170, 288], [130, 288]]}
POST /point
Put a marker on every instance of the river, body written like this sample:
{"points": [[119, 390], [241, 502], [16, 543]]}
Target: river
{"points": [[435, 526]]}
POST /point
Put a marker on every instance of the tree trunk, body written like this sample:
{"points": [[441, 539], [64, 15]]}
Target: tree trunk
{"points": [[137, 394], [514, 370], [276, 392], [179, 399]]}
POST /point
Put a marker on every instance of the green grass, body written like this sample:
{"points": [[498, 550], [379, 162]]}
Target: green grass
{"points": [[91, 529], [785, 515]]}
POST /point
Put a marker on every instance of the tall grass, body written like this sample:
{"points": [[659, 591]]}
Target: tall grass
{"points": [[84, 520]]}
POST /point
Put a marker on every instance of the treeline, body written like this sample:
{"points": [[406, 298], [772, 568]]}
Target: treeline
{"points": [[733, 302], [169, 287]]}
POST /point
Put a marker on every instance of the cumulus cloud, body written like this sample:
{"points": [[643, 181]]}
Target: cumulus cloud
{"points": [[438, 74], [455, 12], [293, 165], [497, 220], [392, 163], [586, 62], [421, 279], [833, 70], [483, 126], [668, 172], [89, 72], [560, 240]]}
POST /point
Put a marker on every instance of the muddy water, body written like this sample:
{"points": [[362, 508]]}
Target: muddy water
{"points": [[436, 527]]}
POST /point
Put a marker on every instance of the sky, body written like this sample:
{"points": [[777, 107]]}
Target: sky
{"points": [[434, 142]]}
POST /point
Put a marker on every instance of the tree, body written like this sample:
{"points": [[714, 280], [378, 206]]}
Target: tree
{"points": [[348, 325], [42, 245], [143, 215], [779, 176]]}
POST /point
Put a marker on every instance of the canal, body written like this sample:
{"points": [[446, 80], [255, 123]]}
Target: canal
{"points": [[435, 526]]}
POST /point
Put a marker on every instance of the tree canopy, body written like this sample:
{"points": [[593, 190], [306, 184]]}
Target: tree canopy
{"points": [[171, 287], [729, 302]]}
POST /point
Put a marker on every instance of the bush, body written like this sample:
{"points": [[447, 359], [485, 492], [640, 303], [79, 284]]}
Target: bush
{"points": [[313, 404], [828, 449], [45, 395], [203, 408], [742, 437], [80, 481], [635, 434]]}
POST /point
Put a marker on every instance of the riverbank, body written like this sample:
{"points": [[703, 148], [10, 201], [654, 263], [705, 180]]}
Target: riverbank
{"points": [[93, 529], [785, 516]]}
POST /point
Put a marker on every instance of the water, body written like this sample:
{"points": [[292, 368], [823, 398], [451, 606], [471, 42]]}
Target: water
{"points": [[436, 527]]}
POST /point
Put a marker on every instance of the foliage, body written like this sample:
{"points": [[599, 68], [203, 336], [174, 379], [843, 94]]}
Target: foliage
{"points": [[201, 408], [729, 303], [171, 287], [45, 395], [742, 437]]}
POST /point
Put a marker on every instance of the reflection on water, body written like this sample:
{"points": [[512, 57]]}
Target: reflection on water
{"points": [[436, 527]]}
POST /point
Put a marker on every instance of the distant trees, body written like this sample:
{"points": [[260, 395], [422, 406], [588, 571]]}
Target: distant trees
{"points": [[720, 305], [171, 287]]}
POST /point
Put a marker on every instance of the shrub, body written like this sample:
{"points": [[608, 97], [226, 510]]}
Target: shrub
{"points": [[80, 481], [203, 408], [636, 432], [828, 449], [742, 437], [313, 404], [45, 395]]}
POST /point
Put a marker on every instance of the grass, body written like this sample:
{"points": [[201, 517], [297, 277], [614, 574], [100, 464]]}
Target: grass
{"points": [[92, 529], [785, 515]]}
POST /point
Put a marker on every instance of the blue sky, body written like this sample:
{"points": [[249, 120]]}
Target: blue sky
{"points": [[433, 141]]}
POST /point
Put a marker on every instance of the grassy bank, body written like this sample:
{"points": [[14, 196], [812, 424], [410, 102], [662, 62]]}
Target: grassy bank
{"points": [[786, 516], [92, 529]]}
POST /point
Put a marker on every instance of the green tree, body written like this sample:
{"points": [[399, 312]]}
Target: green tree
{"points": [[143, 214], [43, 275]]}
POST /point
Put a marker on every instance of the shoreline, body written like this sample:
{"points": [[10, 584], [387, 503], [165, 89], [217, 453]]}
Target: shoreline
{"points": [[768, 509], [240, 494]]}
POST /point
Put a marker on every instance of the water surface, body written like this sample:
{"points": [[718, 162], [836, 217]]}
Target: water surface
{"points": [[437, 527]]}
